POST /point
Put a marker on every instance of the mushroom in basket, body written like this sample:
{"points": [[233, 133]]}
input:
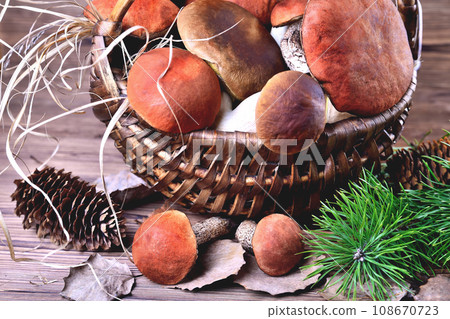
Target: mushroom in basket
{"points": [[261, 9], [154, 15], [290, 113], [174, 91], [236, 45], [361, 55], [287, 11]]}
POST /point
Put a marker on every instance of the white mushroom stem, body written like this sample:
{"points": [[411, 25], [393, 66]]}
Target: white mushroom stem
{"points": [[334, 115], [278, 33], [211, 228], [244, 234], [242, 118], [226, 106], [292, 50]]}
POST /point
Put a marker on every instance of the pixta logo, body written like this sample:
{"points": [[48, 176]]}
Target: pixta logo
{"points": [[151, 150]]}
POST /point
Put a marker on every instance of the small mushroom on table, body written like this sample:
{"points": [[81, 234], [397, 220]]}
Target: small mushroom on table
{"points": [[165, 245], [276, 242]]}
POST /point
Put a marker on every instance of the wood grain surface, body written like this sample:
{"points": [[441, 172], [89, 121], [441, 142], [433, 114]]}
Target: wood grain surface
{"points": [[79, 139]]}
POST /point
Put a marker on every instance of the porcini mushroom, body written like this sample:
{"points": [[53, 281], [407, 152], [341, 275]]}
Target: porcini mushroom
{"points": [[165, 245], [287, 11], [189, 95], [154, 15], [276, 242], [291, 112], [358, 50], [233, 42]]}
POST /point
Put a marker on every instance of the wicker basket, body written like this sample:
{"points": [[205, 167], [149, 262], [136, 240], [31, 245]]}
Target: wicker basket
{"points": [[237, 182]]}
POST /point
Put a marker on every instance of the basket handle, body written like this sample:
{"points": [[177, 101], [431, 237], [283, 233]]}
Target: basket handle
{"points": [[119, 10], [103, 32], [419, 34]]}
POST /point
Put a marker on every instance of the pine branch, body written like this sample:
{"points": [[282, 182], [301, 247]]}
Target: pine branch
{"points": [[374, 235], [373, 239]]}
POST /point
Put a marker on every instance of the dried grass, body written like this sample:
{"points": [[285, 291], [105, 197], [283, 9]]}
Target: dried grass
{"points": [[38, 63]]}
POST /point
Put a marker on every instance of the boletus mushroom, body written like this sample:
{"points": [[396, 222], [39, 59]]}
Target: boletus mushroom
{"points": [[233, 42], [358, 50], [290, 113], [165, 245], [276, 242], [188, 97], [154, 15]]}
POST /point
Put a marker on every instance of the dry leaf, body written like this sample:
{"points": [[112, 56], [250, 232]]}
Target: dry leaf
{"points": [[125, 188], [220, 260], [116, 279], [329, 293], [436, 289], [253, 278]]}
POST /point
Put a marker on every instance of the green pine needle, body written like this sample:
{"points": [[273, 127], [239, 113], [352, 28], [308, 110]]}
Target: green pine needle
{"points": [[432, 206], [371, 236], [367, 236]]}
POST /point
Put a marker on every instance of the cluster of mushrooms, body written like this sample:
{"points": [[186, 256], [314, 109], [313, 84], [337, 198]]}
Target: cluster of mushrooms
{"points": [[280, 68], [165, 247], [337, 59]]}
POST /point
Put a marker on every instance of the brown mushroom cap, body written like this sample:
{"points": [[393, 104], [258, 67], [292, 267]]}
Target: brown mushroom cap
{"points": [[291, 107], [358, 50], [155, 15], [277, 243], [245, 57], [190, 85], [165, 248], [287, 11], [261, 9]]}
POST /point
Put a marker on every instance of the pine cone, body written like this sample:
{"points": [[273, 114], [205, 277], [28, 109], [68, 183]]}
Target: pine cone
{"points": [[409, 167], [85, 213]]}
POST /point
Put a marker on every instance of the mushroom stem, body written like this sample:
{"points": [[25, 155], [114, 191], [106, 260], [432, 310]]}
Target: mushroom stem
{"points": [[292, 49], [211, 228], [244, 234]]}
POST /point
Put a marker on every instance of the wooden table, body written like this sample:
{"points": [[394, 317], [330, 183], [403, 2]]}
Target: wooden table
{"points": [[79, 139]]}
